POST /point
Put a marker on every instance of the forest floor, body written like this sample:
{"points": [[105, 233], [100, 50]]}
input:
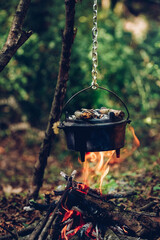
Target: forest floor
{"points": [[17, 159]]}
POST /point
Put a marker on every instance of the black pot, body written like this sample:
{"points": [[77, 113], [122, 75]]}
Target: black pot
{"points": [[95, 135]]}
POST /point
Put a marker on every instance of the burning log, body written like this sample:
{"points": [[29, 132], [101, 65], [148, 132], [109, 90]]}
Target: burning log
{"points": [[84, 213], [107, 214]]}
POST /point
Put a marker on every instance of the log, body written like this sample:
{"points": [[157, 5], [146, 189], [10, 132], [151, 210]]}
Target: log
{"points": [[108, 214]]}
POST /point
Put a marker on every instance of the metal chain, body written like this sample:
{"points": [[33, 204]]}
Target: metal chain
{"points": [[94, 47]]}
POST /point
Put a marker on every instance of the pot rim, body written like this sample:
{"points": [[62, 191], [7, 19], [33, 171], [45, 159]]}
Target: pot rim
{"points": [[90, 124]]}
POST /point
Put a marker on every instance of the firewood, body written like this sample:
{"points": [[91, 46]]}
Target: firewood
{"points": [[39, 227], [107, 213], [94, 193]]}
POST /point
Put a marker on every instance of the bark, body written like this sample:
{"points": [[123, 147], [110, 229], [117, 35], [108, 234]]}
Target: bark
{"points": [[16, 37], [57, 104], [108, 214]]}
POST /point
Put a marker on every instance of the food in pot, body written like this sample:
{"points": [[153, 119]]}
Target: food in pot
{"points": [[102, 113]]}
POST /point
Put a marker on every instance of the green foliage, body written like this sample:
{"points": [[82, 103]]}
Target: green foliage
{"points": [[128, 65], [109, 185]]}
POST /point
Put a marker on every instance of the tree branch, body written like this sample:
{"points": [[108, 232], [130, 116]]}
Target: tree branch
{"points": [[16, 37], [60, 91]]}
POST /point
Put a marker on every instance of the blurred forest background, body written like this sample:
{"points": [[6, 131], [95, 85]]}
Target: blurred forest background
{"points": [[128, 63]]}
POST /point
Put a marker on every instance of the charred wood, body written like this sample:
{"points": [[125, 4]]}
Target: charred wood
{"points": [[94, 193], [55, 214], [107, 213]]}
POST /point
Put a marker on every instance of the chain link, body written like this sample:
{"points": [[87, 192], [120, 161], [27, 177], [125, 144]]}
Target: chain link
{"points": [[94, 46]]}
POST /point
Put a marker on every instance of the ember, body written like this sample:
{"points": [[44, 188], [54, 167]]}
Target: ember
{"points": [[84, 213]]}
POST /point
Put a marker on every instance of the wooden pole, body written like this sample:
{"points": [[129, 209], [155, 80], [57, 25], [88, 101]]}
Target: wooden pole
{"points": [[57, 104]]}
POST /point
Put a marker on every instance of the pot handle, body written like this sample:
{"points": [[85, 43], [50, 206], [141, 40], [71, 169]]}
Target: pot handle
{"points": [[113, 93]]}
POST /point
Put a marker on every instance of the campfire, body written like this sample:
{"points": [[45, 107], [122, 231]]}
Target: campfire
{"points": [[81, 212], [84, 213]]}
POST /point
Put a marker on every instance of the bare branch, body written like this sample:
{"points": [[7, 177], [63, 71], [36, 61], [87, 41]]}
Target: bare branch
{"points": [[16, 37], [60, 91]]}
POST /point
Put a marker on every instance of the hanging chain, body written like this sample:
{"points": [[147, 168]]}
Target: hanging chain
{"points": [[94, 47]]}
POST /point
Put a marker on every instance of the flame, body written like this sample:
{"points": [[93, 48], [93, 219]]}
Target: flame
{"points": [[82, 188], [96, 165], [63, 233], [135, 140], [95, 169], [126, 152], [125, 230], [67, 215]]}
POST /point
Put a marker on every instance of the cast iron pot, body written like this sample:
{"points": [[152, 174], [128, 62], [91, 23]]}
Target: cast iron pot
{"points": [[95, 135]]}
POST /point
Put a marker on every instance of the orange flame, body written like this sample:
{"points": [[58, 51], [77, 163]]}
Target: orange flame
{"points": [[125, 230], [95, 167], [96, 164], [63, 233], [126, 152]]}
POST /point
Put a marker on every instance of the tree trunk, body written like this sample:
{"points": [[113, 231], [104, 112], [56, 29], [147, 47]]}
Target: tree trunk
{"points": [[57, 104]]}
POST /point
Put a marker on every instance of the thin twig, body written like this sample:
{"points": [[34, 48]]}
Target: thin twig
{"points": [[43, 235], [147, 206], [38, 229]]}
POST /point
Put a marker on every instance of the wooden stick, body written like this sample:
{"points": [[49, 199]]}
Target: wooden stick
{"points": [[44, 232], [94, 193], [57, 104], [39, 227]]}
